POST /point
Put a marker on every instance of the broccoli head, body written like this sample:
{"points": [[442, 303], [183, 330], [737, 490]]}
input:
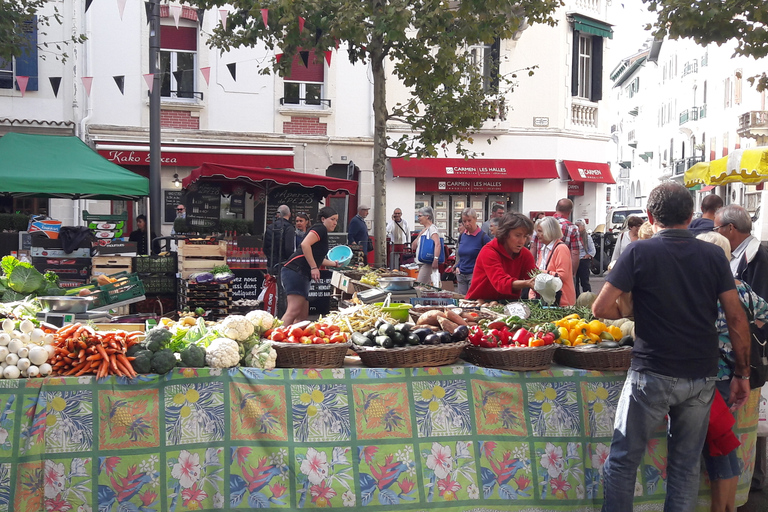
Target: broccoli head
{"points": [[193, 356], [163, 361], [157, 338], [142, 362]]}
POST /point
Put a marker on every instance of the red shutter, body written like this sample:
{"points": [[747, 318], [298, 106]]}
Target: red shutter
{"points": [[314, 72], [182, 38]]}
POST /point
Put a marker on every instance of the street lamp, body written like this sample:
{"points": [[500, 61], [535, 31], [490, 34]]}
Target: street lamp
{"points": [[176, 180]]}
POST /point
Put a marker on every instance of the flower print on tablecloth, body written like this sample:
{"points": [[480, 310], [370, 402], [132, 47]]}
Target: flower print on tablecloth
{"points": [[374, 373], [195, 479], [382, 411], [442, 408], [5, 486], [505, 470], [324, 478], [553, 409], [7, 429], [53, 485], [597, 454], [560, 470], [129, 483], [194, 413], [387, 475], [67, 420], [258, 477], [655, 467], [747, 447], [499, 408], [449, 471], [320, 412], [128, 419], [600, 399], [257, 412]]}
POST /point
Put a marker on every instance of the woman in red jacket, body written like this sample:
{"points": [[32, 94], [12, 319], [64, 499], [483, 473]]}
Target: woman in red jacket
{"points": [[503, 265]]}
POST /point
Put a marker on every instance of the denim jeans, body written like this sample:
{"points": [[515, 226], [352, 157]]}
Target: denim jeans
{"points": [[464, 281], [645, 400]]}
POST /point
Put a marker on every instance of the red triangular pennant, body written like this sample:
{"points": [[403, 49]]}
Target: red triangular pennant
{"points": [[22, 82], [87, 82], [265, 16], [278, 57], [121, 7], [337, 43], [150, 79], [301, 24], [328, 54], [223, 13], [206, 74]]}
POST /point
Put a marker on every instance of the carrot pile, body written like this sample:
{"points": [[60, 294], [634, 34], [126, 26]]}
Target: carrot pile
{"points": [[80, 350]]}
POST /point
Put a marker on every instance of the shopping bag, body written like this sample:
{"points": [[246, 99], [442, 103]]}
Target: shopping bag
{"points": [[427, 250], [270, 294], [762, 419], [436, 278]]}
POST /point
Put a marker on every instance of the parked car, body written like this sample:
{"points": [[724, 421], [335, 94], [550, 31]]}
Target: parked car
{"points": [[617, 217]]}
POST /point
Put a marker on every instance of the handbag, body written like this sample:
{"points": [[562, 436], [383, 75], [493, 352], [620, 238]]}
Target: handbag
{"points": [[758, 354], [426, 252]]}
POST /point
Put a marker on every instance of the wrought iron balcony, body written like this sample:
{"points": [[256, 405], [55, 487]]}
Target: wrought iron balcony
{"points": [[753, 124], [684, 116], [306, 102]]}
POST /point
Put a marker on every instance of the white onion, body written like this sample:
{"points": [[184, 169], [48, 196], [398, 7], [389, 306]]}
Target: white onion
{"points": [[33, 371], [8, 325], [27, 326], [14, 346], [38, 355], [23, 352], [5, 338], [24, 338], [23, 363], [36, 336], [3, 353], [45, 369], [11, 372], [11, 359], [51, 350], [24, 373], [48, 339]]}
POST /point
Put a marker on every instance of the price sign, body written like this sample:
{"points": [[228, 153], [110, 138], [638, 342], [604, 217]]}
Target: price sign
{"points": [[320, 294], [203, 204]]}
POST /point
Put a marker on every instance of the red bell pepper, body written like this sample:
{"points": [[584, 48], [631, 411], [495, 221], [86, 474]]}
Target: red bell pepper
{"points": [[522, 336]]}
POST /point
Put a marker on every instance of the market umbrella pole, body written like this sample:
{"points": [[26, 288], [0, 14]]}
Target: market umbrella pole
{"points": [[155, 193]]}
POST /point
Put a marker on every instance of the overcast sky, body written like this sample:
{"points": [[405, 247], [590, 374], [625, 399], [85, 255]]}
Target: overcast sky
{"points": [[629, 18]]}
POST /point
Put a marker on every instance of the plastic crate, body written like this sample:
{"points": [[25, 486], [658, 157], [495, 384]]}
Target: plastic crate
{"points": [[159, 283], [155, 264], [127, 286], [432, 301]]}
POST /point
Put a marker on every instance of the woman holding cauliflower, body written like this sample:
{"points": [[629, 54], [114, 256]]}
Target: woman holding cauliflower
{"points": [[303, 265]]}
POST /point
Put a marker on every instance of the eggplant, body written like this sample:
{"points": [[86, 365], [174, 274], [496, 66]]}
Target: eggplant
{"points": [[386, 329], [608, 344], [398, 338], [445, 337], [431, 339], [422, 333], [412, 339], [627, 341], [201, 277], [359, 339], [224, 277], [460, 333], [371, 335], [385, 341]]}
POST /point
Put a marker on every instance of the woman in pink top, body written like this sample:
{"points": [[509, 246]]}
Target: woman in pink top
{"points": [[555, 257]]}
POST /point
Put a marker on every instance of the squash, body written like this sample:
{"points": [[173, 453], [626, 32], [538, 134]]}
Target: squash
{"points": [[586, 299], [620, 322], [628, 328]]}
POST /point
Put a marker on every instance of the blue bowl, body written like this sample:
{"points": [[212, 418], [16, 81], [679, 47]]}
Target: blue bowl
{"points": [[342, 254]]}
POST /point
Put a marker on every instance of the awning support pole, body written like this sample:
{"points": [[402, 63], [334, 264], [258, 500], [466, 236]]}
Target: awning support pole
{"points": [[155, 192]]}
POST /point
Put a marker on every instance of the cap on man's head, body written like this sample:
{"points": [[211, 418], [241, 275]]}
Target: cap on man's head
{"points": [[363, 207]]}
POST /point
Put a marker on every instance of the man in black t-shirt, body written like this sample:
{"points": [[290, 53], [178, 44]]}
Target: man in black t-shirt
{"points": [[676, 282]]}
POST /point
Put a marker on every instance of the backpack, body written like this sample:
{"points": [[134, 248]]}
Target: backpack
{"points": [[273, 246]]}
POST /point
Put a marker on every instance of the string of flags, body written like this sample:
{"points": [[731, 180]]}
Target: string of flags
{"points": [[176, 11]]}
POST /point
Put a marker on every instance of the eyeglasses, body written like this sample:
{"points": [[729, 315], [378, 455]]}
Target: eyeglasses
{"points": [[179, 209], [717, 228]]}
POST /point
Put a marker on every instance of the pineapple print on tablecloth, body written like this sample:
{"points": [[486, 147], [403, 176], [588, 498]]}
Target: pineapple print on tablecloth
{"points": [[382, 411], [258, 412], [128, 419], [499, 408]]}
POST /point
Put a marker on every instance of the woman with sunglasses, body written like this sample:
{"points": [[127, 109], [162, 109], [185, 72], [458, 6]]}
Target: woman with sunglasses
{"points": [[302, 223]]}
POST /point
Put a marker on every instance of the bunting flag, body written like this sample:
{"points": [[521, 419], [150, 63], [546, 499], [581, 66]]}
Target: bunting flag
{"points": [[304, 57], [150, 79], [318, 35], [301, 24], [265, 16], [223, 13], [55, 83], [328, 54], [87, 82], [148, 10], [121, 7], [233, 70], [206, 74], [87, 4], [176, 13], [120, 81], [178, 75], [337, 43], [200, 14], [278, 57], [22, 82]]}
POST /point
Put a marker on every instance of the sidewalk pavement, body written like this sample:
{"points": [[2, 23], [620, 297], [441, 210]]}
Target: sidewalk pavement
{"points": [[758, 501]]}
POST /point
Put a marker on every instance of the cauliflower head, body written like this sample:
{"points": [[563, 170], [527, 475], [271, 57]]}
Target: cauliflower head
{"points": [[222, 353], [262, 356], [262, 321], [236, 327]]}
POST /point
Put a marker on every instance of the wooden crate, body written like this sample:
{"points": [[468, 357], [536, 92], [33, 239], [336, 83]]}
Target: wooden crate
{"points": [[199, 251], [109, 265], [199, 258]]}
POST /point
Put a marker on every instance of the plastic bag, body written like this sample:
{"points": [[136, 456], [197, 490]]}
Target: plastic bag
{"points": [[762, 419], [547, 286], [436, 278]]}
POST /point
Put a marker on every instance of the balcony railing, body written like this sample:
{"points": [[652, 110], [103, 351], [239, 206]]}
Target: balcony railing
{"points": [[691, 67], [589, 5], [703, 111], [684, 116], [753, 124], [312, 102], [583, 115]]}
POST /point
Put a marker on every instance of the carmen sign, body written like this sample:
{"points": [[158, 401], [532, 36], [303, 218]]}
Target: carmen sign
{"points": [[468, 185]]}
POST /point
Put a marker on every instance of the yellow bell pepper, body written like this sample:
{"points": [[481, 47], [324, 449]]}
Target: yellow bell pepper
{"points": [[596, 327], [594, 338], [579, 340], [564, 334], [615, 332]]}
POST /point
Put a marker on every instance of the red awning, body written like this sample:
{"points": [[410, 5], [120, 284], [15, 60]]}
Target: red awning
{"points": [[268, 178], [590, 172], [475, 168]]}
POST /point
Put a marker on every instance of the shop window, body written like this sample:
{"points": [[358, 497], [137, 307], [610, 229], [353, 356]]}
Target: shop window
{"points": [[587, 66], [25, 64], [30, 206], [178, 61], [304, 84]]}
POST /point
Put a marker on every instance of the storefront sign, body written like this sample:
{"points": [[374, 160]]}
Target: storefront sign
{"points": [[468, 186], [575, 188], [478, 168], [195, 156], [298, 199]]}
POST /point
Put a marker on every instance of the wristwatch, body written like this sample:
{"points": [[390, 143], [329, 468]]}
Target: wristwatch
{"points": [[742, 377]]}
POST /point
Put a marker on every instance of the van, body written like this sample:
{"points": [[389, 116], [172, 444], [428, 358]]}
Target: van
{"points": [[617, 217]]}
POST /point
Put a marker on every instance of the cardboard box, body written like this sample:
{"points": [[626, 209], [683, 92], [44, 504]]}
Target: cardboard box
{"points": [[42, 241], [114, 248], [40, 252]]}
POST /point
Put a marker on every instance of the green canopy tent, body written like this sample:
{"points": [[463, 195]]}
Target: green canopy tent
{"points": [[63, 167]]}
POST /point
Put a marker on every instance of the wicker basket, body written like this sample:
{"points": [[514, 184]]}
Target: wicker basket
{"points": [[420, 356], [605, 359], [519, 359], [296, 355]]}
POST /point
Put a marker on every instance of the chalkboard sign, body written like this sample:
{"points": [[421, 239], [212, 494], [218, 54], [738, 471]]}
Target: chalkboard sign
{"points": [[247, 283], [171, 198], [335, 239], [298, 199], [237, 203], [320, 294], [203, 204]]}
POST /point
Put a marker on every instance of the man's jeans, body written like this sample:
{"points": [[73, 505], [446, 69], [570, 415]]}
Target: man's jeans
{"points": [[646, 399]]}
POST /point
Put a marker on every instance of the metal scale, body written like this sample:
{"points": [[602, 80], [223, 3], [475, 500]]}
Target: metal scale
{"points": [[97, 315]]}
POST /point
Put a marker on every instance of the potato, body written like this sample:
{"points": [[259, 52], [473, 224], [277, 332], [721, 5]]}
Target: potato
{"points": [[83, 293], [447, 325], [430, 318], [454, 317]]}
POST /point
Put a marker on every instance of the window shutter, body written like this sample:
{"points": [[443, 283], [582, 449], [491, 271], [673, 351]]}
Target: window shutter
{"points": [[575, 65], [495, 64], [182, 38], [26, 63], [313, 72], [597, 68]]}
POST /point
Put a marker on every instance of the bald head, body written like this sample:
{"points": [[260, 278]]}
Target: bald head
{"points": [[564, 206]]}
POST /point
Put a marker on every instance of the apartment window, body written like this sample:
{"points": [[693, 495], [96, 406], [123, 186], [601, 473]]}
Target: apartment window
{"points": [[304, 84], [737, 87], [25, 64], [178, 61], [485, 58], [727, 90], [586, 79]]}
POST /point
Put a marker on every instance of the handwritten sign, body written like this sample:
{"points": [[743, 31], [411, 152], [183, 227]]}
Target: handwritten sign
{"points": [[298, 199], [203, 203], [171, 198], [247, 283], [320, 294]]}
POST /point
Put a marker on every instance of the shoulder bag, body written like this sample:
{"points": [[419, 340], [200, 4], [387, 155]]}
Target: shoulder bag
{"points": [[758, 355], [426, 254]]}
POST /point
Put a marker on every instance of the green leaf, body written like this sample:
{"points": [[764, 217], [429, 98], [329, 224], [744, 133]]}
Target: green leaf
{"points": [[12, 296], [25, 279]]}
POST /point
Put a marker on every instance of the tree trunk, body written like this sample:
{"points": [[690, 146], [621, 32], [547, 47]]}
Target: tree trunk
{"points": [[379, 144]]}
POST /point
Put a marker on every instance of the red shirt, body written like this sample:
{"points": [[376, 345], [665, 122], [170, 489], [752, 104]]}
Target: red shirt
{"points": [[496, 270]]}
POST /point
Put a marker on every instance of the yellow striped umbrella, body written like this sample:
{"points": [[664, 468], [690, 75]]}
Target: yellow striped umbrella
{"points": [[697, 175], [741, 166]]}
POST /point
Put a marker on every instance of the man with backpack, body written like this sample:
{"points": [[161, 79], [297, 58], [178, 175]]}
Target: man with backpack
{"points": [[279, 240]]}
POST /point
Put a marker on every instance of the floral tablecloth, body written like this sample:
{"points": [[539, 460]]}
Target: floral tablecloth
{"points": [[455, 438]]}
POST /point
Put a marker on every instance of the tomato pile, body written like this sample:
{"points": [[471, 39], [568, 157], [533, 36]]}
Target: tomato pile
{"points": [[308, 333]]}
